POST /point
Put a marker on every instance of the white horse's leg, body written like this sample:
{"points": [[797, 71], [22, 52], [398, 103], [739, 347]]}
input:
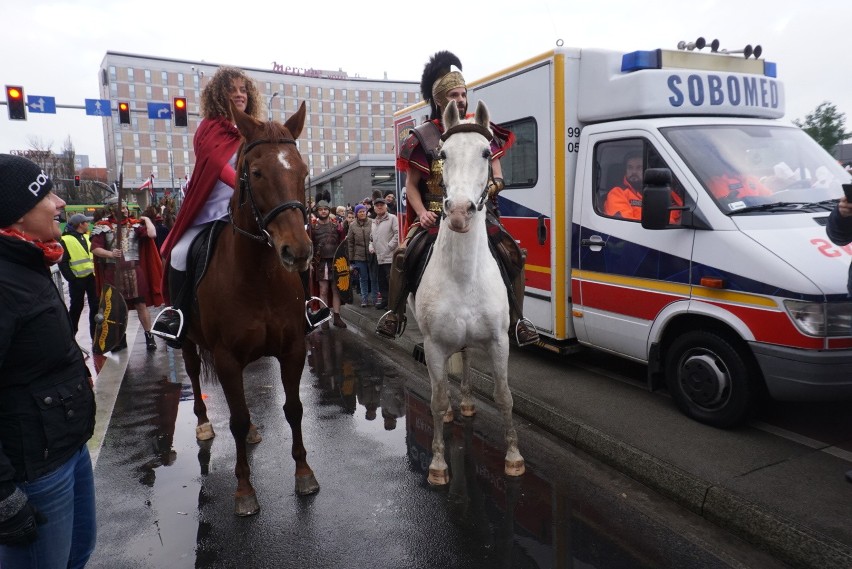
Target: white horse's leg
{"points": [[436, 364], [514, 462], [468, 409]]}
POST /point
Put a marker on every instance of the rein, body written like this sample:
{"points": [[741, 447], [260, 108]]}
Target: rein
{"points": [[467, 127], [245, 189]]}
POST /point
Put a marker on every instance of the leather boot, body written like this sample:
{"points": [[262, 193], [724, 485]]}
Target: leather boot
{"points": [[521, 329], [150, 343], [168, 322], [391, 324]]}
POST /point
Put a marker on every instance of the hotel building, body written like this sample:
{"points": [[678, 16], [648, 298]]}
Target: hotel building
{"points": [[348, 118]]}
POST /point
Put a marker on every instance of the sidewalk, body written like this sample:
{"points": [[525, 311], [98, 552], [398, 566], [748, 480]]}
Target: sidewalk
{"points": [[785, 497]]}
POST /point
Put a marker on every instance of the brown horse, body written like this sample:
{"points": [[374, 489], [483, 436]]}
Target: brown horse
{"points": [[251, 300]]}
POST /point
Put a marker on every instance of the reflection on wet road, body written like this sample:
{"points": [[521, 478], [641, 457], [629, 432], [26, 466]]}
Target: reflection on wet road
{"points": [[165, 500]]}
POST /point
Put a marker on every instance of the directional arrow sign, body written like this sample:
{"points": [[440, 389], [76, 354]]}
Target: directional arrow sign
{"points": [[40, 104], [159, 111], [98, 107]]}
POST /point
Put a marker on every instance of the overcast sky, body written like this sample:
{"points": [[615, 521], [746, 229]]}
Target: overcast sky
{"points": [[56, 48]]}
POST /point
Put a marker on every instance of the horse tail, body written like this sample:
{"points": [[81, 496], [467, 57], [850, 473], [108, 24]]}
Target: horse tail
{"points": [[208, 371]]}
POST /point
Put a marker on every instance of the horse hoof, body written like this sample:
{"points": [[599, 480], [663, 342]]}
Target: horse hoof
{"points": [[438, 477], [246, 505], [204, 432], [253, 437], [307, 485], [515, 467], [468, 410], [448, 416]]}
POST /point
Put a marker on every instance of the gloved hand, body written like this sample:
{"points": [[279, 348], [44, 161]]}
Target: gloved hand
{"points": [[495, 186], [18, 519]]}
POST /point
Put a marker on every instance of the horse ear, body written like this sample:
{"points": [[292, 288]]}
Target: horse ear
{"points": [[245, 124], [296, 122], [451, 116], [482, 117]]}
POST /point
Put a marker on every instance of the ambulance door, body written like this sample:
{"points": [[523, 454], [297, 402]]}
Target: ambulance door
{"points": [[625, 274]]}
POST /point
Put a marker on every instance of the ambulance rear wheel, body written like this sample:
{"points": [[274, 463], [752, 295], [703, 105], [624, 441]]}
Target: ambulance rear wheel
{"points": [[709, 377]]}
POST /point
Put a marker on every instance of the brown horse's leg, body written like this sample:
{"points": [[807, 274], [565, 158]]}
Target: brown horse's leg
{"points": [[230, 374], [192, 364], [291, 376]]}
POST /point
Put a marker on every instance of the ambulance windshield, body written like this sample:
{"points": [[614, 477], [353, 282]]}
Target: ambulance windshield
{"points": [[759, 168]]}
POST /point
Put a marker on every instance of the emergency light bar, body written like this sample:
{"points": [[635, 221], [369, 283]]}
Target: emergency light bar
{"points": [[669, 59]]}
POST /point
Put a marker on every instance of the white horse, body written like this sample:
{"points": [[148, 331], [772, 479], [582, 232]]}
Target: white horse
{"points": [[461, 303]]}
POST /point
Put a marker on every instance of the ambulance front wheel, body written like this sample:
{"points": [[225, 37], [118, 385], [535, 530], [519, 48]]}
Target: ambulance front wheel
{"points": [[711, 377]]}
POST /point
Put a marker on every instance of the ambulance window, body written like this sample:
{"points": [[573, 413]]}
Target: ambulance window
{"points": [[619, 167], [520, 164]]}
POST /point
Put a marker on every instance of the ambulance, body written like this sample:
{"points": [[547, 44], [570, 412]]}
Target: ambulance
{"points": [[725, 284]]}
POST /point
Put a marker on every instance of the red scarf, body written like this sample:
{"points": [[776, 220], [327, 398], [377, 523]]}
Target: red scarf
{"points": [[51, 250]]}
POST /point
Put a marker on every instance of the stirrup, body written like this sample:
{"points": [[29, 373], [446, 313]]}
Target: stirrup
{"points": [[166, 335], [529, 325], [400, 326], [321, 316]]}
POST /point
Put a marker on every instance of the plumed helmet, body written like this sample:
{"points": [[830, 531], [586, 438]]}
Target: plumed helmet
{"points": [[439, 78]]}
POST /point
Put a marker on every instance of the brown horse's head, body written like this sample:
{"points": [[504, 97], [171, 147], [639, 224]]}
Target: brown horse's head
{"points": [[270, 191]]}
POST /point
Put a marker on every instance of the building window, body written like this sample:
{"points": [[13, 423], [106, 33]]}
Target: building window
{"points": [[132, 90], [180, 80], [165, 93], [331, 93], [130, 74], [319, 92], [112, 76], [164, 76], [148, 76], [148, 94]]}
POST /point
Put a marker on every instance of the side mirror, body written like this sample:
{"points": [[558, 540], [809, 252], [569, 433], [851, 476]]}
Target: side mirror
{"points": [[656, 198]]}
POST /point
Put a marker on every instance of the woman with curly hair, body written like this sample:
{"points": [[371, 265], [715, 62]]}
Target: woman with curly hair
{"points": [[213, 180]]}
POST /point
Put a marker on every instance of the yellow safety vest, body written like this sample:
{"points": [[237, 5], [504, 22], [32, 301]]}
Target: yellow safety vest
{"points": [[80, 261]]}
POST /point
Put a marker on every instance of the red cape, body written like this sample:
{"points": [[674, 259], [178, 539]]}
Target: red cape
{"points": [[214, 143]]}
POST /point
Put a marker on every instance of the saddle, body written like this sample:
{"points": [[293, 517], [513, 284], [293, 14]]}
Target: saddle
{"points": [[199, 255], [417, 255]]}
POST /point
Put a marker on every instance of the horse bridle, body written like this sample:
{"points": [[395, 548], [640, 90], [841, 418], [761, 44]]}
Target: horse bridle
{"points": [[245, 189], [466, 127]]}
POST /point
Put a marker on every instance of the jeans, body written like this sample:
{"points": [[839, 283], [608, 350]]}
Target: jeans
{"points": [[363, 279], [374, 278], [384, 280], [66, 497]]}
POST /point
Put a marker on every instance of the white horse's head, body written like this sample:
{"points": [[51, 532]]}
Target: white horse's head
{"points": [[466, 152]]}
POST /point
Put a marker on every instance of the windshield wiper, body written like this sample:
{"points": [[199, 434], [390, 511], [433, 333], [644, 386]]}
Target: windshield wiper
{"points": [[785, 206]]}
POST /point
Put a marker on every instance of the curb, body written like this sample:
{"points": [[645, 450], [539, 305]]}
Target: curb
{"points": [[789, 541]]}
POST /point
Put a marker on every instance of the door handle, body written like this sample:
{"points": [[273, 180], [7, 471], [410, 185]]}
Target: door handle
{"points": [[542, 230], [593, 242]]}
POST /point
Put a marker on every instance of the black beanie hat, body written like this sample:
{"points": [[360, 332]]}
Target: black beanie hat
{"points": [[22, 185]]}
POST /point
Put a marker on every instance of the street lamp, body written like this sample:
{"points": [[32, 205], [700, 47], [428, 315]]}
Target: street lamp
{"points": [[269, 105]]}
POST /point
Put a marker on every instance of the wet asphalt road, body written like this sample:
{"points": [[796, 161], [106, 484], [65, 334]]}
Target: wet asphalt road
{"points": [[165, 500]]}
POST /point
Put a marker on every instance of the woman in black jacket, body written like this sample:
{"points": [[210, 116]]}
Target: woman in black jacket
{"points": [[47, 406]]}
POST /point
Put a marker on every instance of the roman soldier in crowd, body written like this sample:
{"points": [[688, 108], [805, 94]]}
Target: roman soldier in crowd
{"points": [[127, 258], [418, 158]]}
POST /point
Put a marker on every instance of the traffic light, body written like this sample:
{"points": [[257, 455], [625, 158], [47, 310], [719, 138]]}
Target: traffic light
{"points": [[76, 181], [123, 112], [15, 103], [180, 111]]}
